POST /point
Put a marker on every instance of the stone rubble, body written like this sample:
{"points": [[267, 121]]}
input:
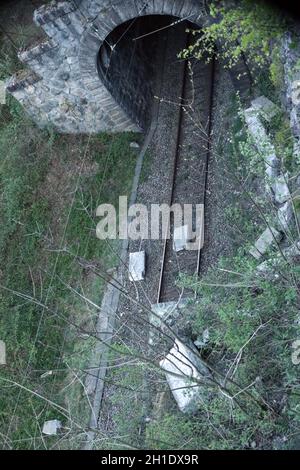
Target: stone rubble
{"points": [[265, 241], [137, 266], [276, 182], [164, 314], [52, 427], [181, 366]]}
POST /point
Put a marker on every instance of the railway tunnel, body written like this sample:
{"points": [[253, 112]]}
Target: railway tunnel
{"points": [[130, 59], [94, 71]]}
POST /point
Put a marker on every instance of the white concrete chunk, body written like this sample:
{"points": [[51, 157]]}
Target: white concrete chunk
{"points": [[2, 353], [51, 427], [281, 189], [181, 238], [46, 374], [165, 313], [265, 107], [181, 366], [265, 241], [134, 145], [264, 146], [137, 263], [285, 215], [203, 339]]}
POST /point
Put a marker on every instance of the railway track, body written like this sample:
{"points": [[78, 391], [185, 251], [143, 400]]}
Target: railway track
{"points": [[188, 177], [185, 167]]}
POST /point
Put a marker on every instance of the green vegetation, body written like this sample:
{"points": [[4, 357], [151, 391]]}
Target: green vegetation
{"points": [[251, 320], [50, 188], [232, 35]]}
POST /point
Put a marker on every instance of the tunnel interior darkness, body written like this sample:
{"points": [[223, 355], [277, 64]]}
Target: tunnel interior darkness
{"points": [[128, 63]]}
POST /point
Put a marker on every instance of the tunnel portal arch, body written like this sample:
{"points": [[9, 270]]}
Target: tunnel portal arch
{"points": [[61, 85]]}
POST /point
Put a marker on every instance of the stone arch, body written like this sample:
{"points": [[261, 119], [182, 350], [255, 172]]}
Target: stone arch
{"points": [[108, 19], [61, 85]]}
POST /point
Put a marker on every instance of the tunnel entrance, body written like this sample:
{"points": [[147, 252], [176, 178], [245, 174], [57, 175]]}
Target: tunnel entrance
{"points": [[129, 61]]}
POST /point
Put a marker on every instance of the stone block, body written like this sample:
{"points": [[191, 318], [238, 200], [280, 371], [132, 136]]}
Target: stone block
{"points": [[265, 107], [2, 353], [134, 145], [265, 241], [52, 427], [187, 376], [182, 238], [137, 266], [285, 215], [281, 189]]}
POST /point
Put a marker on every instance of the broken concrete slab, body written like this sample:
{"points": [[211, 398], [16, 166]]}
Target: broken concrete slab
{"points": [[263, 145], [164, 313], [2, 353], [134, 145], [265, 107], [285, 215], [268, 268], [52, 427], [281, 189], [137, 266], [187, 376], [182, 237], [202, 340], [265, 241], [46, 374]]}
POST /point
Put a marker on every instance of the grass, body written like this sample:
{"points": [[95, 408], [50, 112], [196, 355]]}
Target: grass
{"points": [[51, 186]]}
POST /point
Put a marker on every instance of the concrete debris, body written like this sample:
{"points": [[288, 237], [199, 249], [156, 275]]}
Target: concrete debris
{"points": [[268, 268], [164, 313], [265, 107], [264, 146], [52, 427], [285, 215], [265, 241], [182, 237], [281, 189], [137, 266], [2, 353], [134, 145], [46, 374], [202, 340], [181, 366]]}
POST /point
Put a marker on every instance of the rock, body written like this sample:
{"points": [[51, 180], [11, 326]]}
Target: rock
{"points": [[46, 374], [275, 183], [265, 107], [270, 267], [272, 170], [134, 145], [203, 339], [281, 189], [181, 238], [264, 146], [137, 262], [296, 151], [52, 427], [2, 353], [181, 366], [285, 215], [165, 313], [265, 241]]}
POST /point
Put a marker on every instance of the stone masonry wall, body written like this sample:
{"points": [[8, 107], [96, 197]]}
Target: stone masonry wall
{"points": [[61, 86]]}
